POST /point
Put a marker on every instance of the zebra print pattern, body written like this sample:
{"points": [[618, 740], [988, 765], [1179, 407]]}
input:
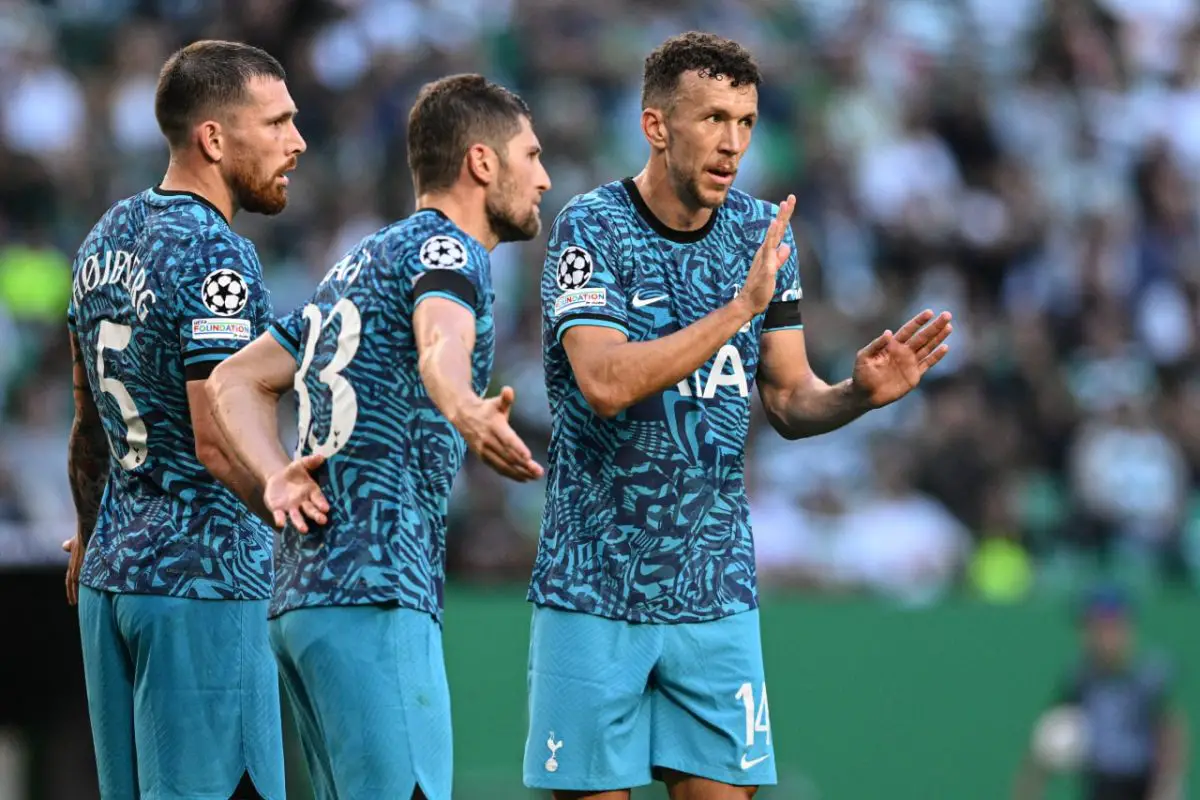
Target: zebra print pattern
{"points": [[646, 517], [390, 482], [165, 525]]}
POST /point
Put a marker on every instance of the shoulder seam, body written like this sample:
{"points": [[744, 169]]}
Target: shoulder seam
{"points": [[589, 199]]}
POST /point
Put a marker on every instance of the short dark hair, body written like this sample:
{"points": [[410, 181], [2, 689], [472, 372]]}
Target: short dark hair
{"points": [[203, 77], [710, 55], [452, 114]]}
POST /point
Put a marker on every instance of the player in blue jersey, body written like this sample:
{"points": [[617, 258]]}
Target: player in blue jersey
{"points": [[665, 298], [389, 360], [171, 575]]}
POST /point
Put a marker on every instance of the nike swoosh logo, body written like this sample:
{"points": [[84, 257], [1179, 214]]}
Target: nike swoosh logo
{"points": [[748, 764], [639, 301]]}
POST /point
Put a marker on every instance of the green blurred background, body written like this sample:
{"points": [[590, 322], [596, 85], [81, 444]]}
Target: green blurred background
{"points": [[867, 701], [1031, 165]]}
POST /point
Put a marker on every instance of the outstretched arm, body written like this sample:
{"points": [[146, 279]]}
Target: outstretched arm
{"points": [[799, 404], [445, 333]]}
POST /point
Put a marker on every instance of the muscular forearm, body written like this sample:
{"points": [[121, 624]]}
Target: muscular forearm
{"points": [[445, 365], [816, 408], [246, 415], [87, 467], [224, 465], [625, 374]]}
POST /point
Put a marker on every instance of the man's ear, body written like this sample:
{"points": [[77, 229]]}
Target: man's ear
{"points": [[654, 128], [483, 164], [211, 140]]}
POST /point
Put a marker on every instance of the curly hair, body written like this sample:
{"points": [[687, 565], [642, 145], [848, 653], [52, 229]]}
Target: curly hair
{"points": [[710, 55]]}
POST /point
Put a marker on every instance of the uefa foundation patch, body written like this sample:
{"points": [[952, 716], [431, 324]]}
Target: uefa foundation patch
{"points": [[581, 298], [222, 329]]}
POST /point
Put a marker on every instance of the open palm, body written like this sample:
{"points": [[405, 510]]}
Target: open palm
{"points": [[293, 495], [892, 365]]}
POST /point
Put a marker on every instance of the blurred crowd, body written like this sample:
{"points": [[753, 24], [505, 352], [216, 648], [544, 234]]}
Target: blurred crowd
{"points": [[1029, 165]]}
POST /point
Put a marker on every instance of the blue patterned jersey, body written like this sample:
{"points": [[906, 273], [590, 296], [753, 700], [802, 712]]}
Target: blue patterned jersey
{"points": [[646, 517], [163, 291], [391, 455]]}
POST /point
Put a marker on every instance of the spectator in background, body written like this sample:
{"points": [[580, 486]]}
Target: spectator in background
{"points": [[1001, 570], [13, 515], [12, 509], [1130, 482], [1136, 738], [35, 280], [796, 532], [898, 541], [1033, 165]]}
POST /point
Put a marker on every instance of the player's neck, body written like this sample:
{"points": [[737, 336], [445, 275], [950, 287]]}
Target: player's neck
{"points": [[182, 177], [468, 214], [664, 202]]}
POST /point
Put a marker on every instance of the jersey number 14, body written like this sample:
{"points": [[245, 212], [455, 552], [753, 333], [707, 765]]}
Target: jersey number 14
{"points": [[757, 720], [343, 400]]}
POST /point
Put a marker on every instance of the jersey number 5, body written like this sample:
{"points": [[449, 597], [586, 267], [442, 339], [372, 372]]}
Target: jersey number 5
{"points": [[114, 336], [344, 401]]}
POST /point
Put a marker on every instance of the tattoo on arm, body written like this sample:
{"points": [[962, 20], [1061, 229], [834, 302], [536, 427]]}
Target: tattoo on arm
{"points": [[87, 460]]}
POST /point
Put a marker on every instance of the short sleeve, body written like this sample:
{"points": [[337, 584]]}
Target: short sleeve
{"points": [[783, 313], [287, 330], [580, 285], [445, 266], [221, 301]]}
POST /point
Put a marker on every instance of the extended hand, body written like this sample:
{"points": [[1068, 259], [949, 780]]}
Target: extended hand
{"points": [[485, 427], [759, 287], [892, 365], [292, 494]]}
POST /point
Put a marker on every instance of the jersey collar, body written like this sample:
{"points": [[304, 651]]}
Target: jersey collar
{"points": [[660, 227], [158, 190]]}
